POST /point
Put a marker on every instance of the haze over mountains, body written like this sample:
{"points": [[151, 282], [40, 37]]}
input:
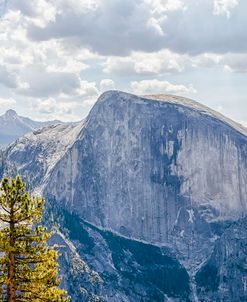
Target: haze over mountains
{"points": [[151, 192], [13, 126]]}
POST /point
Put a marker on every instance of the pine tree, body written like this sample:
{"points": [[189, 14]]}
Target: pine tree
{"points": [[28, 266]]}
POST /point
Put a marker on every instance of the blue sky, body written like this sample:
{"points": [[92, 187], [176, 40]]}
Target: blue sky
{"points": [[58, 56]]}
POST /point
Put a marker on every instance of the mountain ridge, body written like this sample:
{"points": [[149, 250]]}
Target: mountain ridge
{"points": [[13, 126], [151, 171]]}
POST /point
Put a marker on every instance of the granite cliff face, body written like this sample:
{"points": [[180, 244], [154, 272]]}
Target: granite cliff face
{"points": [[223, 277], [160, 175], [155, 171]]}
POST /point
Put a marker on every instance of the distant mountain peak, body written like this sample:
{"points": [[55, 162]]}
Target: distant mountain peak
{"points": [[10, 113], [13, 126]]}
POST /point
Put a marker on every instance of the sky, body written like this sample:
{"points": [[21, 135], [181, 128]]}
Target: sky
{"points": [[58, 56]]}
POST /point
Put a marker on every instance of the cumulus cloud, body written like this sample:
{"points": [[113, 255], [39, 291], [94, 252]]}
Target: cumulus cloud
{"points": [[71, 65], [43, 83], [207, 60], [46, 106], [229, 62], [157, 87], [67, 108], [224, 7], [45, 68], [120, 27], [122, 66], [61, 51], [7, 102], [52, 109], [160, 7], [106, 84], [117, 26], [158, 63], [41, 13], [235, 63]]}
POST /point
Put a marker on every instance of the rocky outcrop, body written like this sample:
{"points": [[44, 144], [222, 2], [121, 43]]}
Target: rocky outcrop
{"points": [[34, 155]]}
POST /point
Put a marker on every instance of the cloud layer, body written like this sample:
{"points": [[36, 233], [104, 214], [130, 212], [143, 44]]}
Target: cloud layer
{"points": [[61, 54], [116, 27]]}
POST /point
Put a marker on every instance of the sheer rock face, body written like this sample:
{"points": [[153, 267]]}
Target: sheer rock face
{"points": [[156, 171], [223, 277], [131, 270], [163, 170]]}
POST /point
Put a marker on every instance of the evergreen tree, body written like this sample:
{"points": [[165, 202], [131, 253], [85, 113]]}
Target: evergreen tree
{"points": [[28, 266]]}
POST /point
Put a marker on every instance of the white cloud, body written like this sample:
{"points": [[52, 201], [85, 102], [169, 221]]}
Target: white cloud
{"points": [[140, 63], [43, 83], [159, 87], [77, 7], [206, 60], [40, 13], [235, 62], [70, 66], [173, 5], [47, 106], [230, 62], [64, 107], [160, 7], [162, 62], [7, 102], [93, 92], [62, 60], [106, 84], [56, 49], [53, 109], [111, 19], [119, 65], [120, 27], [37, 69], [154, 24], [224, 7], [40, 80], [88, 89]]}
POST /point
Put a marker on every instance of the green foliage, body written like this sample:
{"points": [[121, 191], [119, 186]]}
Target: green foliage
{"points": [[28, 266]]}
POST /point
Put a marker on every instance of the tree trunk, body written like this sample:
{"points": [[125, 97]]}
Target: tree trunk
{"points": [[11, 289], [11, 277]]}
